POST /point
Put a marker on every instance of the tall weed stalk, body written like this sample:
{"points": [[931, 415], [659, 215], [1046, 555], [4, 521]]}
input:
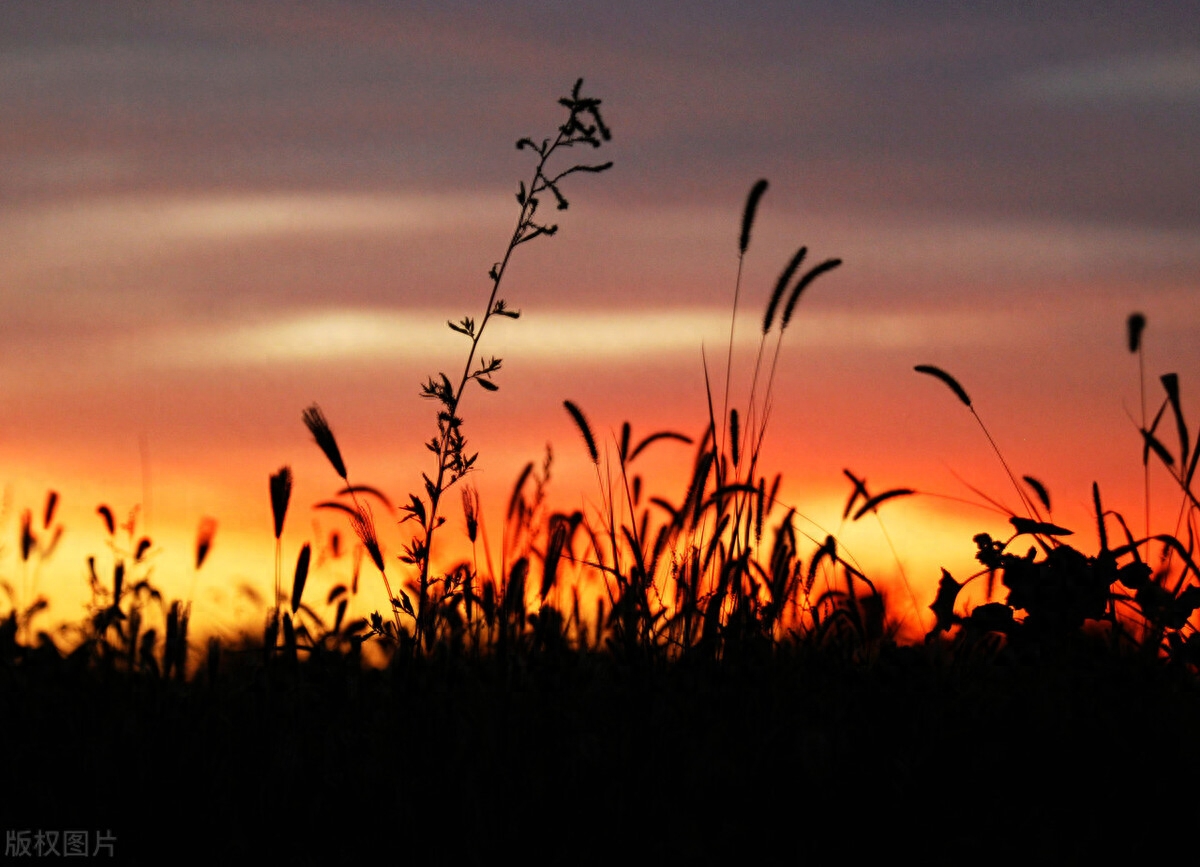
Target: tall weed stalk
{"points": [[583, 126]]}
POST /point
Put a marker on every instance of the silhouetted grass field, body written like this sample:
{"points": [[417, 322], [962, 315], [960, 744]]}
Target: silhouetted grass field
{"points": [[674, 680]]}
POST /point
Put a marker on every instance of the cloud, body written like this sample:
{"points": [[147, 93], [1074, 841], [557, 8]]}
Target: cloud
{"points": [[1149, 78], [122, 226], [576, 338]]}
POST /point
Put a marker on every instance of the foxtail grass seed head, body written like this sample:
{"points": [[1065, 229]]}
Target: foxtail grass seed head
{"points": [[585, 430], [802, 284], [784, 279], [109, 524], [364, 528], [301, 575], [28, 540], [315, 421], [1134, 327], [281, 492], [471, 512], [51, 504], [946, 378], [204, 538], [756, 193], [1039, 490]]}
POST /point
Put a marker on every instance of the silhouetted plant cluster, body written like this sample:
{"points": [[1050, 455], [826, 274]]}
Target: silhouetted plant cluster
{"points": [[724, 569], [1055, 592], [633, 663]]}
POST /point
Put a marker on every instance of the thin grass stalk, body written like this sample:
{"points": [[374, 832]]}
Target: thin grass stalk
{"points": [[524, 230], [635, 542], [756, 193], [1135, 325]]}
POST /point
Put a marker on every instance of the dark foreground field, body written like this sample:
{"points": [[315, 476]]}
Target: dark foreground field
{"points": [[566, 757]]}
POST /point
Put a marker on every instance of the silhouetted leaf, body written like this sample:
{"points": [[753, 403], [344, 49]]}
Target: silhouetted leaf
{"points": [[1154, 445], [1101, 529], [943, 604], [366, 489], [860, 490], [1149, 441], [1170, 382], [655, 437], [1038, 528], [992, 617], [1134, 575], [336, 506], [873, 503]]}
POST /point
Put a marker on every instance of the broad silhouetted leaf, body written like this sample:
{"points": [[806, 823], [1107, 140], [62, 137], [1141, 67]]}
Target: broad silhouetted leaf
{"points": [[1038, 528], [943, 604], [993, 617]]}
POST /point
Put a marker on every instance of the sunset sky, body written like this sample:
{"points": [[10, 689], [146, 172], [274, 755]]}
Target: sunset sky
{"points": [[214, 214]]}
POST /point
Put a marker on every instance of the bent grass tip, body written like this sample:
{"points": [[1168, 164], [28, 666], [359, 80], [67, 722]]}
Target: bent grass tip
{"points": [[946, 378]]}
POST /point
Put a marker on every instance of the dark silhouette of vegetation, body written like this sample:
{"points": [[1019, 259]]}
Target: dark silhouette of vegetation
{"points": [[686, 677]]}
